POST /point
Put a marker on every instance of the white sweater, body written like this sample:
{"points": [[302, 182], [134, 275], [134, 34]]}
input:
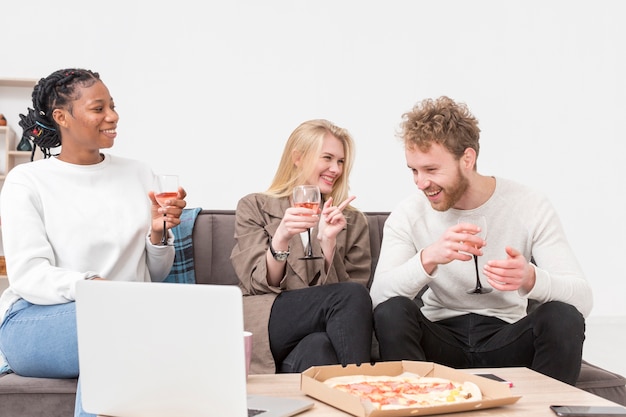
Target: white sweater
{"points": [[62, 223], [517, 216]]}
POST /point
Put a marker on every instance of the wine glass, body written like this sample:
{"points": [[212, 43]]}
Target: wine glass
{"points": [[308, 196], [165, 188], [481, 222]]}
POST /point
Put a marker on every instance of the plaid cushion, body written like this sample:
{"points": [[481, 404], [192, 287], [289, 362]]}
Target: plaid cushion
{"points": [[183, 268]]}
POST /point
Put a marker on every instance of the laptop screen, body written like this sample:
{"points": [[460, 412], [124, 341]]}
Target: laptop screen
{"points": [[161, 349]]}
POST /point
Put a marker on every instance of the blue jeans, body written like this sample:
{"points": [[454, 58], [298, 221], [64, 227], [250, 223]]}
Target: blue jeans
{"points": [[40, 341], [548, 340]]}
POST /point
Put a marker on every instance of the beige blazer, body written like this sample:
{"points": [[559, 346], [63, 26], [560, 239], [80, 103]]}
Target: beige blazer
{"points": [[257, 218]]}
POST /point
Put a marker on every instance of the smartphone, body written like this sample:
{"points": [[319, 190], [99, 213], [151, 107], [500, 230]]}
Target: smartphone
{"points": [[588, 410], [496, 378]]}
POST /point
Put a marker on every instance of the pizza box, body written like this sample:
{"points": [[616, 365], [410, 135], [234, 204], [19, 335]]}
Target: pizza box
{"points": [[495, 394]]}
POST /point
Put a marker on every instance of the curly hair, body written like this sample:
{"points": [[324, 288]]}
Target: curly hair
{"points": [[307, 140], [441, 121], [58, 90]]}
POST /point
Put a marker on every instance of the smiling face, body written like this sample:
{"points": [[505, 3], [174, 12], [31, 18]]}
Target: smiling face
{"points": [[439, 175], [329, 164], [88, 124]]}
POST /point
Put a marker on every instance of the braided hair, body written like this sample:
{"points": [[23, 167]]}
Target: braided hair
{"points": [[57, 90]]}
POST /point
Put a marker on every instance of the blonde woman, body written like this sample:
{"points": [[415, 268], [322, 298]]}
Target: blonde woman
{"points": [[306, 312]]}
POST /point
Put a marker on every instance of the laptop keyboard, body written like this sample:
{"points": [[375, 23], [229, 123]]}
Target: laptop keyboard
{"points": [[253, 412]]}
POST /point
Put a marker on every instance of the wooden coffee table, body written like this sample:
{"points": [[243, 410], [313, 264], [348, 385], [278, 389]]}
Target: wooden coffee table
{"points": [[538, 393]]}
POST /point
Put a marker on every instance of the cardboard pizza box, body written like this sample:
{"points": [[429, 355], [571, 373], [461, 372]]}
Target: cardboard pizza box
{"points": [[495, 394]]}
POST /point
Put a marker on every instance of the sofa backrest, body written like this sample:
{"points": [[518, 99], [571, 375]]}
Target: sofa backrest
{"points": [[214, 238]]}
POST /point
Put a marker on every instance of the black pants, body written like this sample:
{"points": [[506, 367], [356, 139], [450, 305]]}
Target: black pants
{"points": [[321, 325], [549, 340]]}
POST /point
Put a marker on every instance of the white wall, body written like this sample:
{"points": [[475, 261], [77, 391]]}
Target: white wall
{"points": [[211, 90]]}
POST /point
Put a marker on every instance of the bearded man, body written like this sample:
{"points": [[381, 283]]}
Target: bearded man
{"points": [[480, 275]]}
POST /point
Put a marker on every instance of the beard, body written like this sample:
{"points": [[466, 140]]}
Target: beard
{"points": [[453, 193]]}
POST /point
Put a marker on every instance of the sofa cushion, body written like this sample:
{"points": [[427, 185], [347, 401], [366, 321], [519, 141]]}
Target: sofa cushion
{"points": [[183, 268], [21, 396], [213, 241], [376, 223], [603, 383]]}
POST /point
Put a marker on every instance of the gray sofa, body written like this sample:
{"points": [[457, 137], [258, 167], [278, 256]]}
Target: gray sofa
{"points": [[213, 239]]}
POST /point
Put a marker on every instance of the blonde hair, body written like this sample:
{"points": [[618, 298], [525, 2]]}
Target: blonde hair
{"points": [[305, 143]]}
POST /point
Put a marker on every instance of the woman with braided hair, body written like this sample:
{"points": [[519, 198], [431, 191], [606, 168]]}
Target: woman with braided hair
{"points": [[79, 214]]}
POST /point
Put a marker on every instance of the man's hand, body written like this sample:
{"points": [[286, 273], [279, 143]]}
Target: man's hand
{"points": [[510, 274], [459, 242]]}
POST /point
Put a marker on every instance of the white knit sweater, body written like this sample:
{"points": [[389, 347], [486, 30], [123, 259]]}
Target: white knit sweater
{"points": [[62, 223], [517, 216]]}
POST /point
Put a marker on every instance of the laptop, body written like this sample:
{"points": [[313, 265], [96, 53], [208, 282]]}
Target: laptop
{"points": [[166, 350]]}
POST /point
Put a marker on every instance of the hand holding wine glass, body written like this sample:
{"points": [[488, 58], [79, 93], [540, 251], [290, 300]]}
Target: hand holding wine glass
{"points": [[481, 222], [165, 188], [308, 196]]}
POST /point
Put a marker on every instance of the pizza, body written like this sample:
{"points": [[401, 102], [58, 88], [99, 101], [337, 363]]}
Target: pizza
{"points": [[406, 390]]}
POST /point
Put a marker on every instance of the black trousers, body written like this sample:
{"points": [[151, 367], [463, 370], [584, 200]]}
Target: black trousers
{"points": [[549, 340], [321, 325]]}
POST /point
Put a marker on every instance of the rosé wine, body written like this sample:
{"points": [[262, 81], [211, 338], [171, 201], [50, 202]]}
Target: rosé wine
{"points": [[162, 197]]}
